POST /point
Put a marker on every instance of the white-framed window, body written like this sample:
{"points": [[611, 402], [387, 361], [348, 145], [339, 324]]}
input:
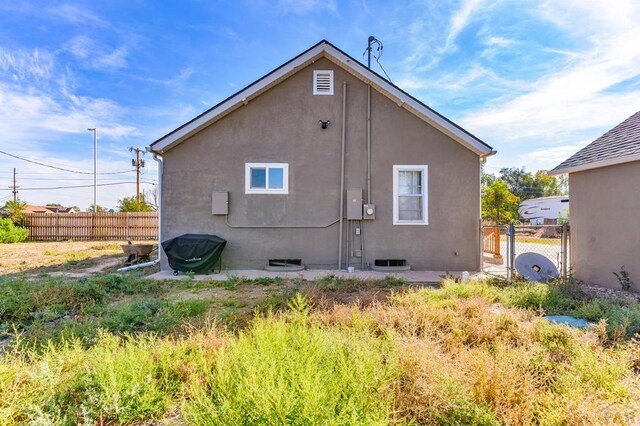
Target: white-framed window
{"points": [[266, 178], [323, 82], [410, 199]]}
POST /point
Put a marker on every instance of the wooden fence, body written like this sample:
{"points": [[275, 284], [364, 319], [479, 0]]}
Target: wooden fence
{"points": [[492, 241], [92, 226]]}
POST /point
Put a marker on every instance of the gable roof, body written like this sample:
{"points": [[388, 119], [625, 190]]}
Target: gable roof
{"points": [[619, 145], [329, 51]]}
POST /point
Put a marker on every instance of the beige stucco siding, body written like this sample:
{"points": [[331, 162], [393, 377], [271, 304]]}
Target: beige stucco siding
{"points": [[281, 126], [605, 207]]}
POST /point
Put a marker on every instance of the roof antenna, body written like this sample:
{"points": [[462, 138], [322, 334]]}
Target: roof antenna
{"points": [[371, 42]]}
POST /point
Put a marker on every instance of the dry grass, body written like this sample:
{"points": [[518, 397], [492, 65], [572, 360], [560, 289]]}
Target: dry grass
{"points": [[451, 356], [466, 360], [57, 256]]}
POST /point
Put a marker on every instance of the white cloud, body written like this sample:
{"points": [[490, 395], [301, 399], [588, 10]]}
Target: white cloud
{"points": [[96, 56], [75, 14], [460, 20], [22, 64], [576, 97], [80, 46], [498, 41], [113, 60]]}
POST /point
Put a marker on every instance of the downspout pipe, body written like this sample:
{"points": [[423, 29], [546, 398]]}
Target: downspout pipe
{"points": [[368, 144], [344, 136], [158, 158]]}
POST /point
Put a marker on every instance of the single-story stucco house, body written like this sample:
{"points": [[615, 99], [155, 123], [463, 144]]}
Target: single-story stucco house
{"points": [[325, 161], [604, 188]]}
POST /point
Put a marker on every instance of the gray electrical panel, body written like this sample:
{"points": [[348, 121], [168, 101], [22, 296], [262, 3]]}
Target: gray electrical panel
{"points": [[354, 204], [220, 203]]}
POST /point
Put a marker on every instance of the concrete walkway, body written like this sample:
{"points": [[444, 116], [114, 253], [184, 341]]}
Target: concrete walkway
{"points": [[314, 274]]}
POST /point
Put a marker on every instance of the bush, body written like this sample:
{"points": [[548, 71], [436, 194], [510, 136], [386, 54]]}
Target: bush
{"points": [[9, 233], [295, 372]]}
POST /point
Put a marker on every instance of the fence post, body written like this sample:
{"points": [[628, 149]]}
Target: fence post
{"points": [[511, 251], [564, 250], [57, 226]]}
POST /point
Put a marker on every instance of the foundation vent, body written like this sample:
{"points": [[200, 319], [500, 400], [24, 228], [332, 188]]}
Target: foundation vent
{"points": [[390, 265], [322, 82]]}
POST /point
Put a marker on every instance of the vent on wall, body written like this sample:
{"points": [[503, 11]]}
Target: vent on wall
{"points": [[322, 82]]}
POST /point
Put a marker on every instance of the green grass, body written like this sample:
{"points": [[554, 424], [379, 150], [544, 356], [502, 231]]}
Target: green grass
{"points": [[292, 372], [622, 319], [445, 356]]}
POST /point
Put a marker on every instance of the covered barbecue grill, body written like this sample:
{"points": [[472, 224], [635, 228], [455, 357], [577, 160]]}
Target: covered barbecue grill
{"points": [[197, 253]]}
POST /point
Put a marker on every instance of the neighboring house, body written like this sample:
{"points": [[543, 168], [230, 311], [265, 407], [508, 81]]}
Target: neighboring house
{"points": [[290, 155], [30, 208], [604, 186]]}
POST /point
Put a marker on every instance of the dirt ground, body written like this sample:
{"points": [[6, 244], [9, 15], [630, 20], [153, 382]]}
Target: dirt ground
{"points": [[72, 258]]}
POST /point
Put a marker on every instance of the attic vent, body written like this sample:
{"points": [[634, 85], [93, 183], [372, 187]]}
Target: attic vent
{"points": [[322, 82]]}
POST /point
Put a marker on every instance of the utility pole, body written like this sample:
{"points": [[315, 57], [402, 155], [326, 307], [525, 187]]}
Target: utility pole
{"points": [[14, 187], [138, 164]]}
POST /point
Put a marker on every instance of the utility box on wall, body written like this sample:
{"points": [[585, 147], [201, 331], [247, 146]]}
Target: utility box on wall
{"points": [[369, 212], [219, 203], [354, 204]]}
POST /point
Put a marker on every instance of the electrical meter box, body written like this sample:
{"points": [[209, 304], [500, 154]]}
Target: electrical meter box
{"points": [[369, 212], [354, 204], [220, 203]]}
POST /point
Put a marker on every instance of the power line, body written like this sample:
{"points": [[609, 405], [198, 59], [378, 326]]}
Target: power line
{"points": [[72, 178], [61, 168], [78, 186]]}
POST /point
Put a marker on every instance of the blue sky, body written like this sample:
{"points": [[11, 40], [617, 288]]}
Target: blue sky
{"points": [[535, 79]]}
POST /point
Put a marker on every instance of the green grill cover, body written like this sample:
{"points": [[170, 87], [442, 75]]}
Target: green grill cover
{"points": [[196, 253]]}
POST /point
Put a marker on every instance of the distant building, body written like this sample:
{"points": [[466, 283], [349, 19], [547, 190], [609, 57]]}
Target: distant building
{"points": [[31, 208]]}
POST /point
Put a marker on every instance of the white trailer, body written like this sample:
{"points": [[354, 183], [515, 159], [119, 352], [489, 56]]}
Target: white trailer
{"points": [[537, 210]]}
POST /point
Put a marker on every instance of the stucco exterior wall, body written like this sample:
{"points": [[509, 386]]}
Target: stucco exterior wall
{"points": [[605, 208], [281, 126]]}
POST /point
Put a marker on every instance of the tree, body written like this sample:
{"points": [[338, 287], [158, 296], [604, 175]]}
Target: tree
{"points": [[98, 209], [15, 211], [498, 204], [548, 184], [151, 197], [520, 183], [131, 204], [486, 179]]}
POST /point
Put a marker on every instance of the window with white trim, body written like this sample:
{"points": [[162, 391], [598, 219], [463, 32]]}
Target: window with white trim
{"points": [[410, 199], [323, 82], [266, 178]]}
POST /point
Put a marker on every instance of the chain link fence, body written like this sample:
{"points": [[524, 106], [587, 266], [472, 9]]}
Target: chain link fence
{"points": [[501, 245]]}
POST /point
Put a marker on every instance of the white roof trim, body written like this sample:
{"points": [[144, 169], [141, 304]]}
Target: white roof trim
{"points": [[323, 49], [595, 164]]}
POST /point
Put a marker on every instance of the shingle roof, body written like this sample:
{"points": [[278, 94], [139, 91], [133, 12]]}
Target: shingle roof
{"points": [[620, 143]]}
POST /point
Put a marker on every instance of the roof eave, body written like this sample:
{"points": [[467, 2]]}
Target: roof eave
{"points": [[323, 49], [595, 165]]}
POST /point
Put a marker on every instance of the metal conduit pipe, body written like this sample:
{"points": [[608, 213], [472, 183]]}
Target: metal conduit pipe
{"points": [[368, 144], [158, 158], [230, 225], [344, 135]]}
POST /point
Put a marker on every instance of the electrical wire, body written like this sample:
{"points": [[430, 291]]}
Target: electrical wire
{"points": [[385, 73], [61, 168], [379, 49], [20, 178], [76, 186]]}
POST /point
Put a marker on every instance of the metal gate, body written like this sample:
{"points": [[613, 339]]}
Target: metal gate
{"points": [[502, 244]]}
